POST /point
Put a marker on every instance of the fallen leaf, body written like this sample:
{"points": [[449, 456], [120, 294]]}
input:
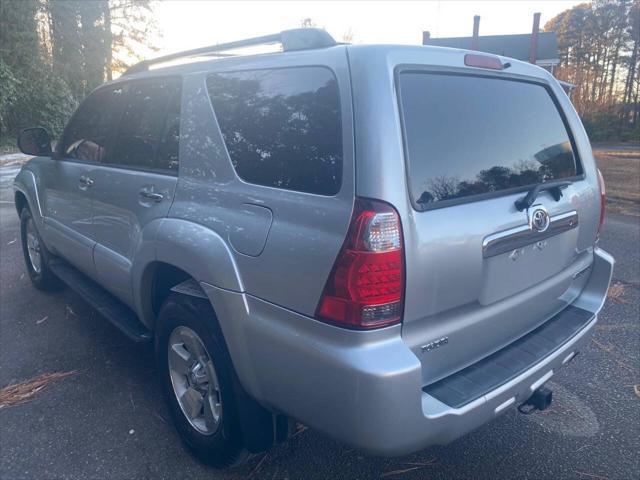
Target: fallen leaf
{"points": [[399, 472], [583, 447], [162, 419], [616, 291], [610, 350], [591, 475], [257, 467], [299, 429], [423, 464], [606, 348], [23, 392]]}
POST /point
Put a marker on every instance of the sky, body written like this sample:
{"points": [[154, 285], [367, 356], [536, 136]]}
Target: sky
{"points": [[191, 24]]}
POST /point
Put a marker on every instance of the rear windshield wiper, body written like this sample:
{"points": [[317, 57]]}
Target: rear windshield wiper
{"points": [[553, 187]]}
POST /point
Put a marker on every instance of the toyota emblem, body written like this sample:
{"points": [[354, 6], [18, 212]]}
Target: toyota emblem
{"points": [[539, 220]]}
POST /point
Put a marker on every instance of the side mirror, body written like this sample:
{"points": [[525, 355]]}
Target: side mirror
{"points": [[35, 141]]}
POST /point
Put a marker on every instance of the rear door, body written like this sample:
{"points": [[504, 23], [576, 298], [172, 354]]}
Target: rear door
{"points": [[481, 272], [135, 183]]}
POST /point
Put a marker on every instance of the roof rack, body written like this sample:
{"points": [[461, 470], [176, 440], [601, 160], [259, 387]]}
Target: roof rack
{"points": [[295, 39]]}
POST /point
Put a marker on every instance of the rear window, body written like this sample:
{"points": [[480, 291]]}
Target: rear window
{"points": [[281, 127], [468, 136]]}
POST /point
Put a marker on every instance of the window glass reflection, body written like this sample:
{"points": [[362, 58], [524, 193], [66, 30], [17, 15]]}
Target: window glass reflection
{"points": [[470, 135], [281, 127]]}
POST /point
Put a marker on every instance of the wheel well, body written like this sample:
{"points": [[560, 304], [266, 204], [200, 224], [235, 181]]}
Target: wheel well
{"points": [[20, 201], [259, 429], [165, 277]]}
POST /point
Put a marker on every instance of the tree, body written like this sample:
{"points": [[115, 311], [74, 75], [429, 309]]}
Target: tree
{"points": [[18, 32], [598, 49], [308, 23], [64, 20], [18, 49], [130, 28], [633, 64], [54, 52], [94, 39]]}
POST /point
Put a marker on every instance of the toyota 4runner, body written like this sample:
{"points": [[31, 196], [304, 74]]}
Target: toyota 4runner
{"points": [[390, 244]]}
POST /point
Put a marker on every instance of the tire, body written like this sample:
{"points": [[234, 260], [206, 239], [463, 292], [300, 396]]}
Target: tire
{"points": [[214, 439], [36, 255]]}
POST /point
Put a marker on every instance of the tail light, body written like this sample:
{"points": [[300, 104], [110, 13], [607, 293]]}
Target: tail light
{"points": [[366, 286], [603, 201]]}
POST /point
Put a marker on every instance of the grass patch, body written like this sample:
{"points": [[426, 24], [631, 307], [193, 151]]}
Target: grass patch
{"points": [[621, 176], [621, 172]]}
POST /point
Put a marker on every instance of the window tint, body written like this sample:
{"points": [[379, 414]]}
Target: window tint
{"points": [[86, 135], [282, 127], [149, 129], [468, 135]]}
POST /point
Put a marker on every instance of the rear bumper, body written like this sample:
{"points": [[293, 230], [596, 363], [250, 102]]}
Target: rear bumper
{"points": [[365, 388]]}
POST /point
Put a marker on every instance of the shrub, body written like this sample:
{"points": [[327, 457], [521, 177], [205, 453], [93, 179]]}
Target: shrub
{"points": [[43, 100], [9, 93]]}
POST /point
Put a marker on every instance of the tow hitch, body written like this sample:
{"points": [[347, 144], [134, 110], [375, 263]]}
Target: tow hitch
{"points": [[540, 400]]}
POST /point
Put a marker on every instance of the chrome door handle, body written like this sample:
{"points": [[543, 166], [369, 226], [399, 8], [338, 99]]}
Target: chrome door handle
{"points": [[155, 196], [86, 181]]}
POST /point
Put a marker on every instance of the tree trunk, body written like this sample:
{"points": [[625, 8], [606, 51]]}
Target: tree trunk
{"points": [[633, 61], [108, 43], [614, 67], [92, 37], [67, 45]]}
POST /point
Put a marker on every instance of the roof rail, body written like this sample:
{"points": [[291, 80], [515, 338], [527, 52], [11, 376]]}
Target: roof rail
{"points": [[295, 39]]}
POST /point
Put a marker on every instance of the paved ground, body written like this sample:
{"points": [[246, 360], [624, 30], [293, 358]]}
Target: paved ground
{"points": [[108, 421]]}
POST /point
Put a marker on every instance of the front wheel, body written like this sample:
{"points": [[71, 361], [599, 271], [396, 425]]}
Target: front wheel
{"points": [[196, 375], [36, 255]]}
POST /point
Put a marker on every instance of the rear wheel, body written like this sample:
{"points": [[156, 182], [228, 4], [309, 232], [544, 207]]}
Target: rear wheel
{"points": [[194, 380], [36, 255], [197, 379]]}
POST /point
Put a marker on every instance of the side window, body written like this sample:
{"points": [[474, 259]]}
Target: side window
{"points": [[282, 127], [86, 135], [149, 129]]}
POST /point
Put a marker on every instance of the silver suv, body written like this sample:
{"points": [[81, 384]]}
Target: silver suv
{"points": [[390, 244]]}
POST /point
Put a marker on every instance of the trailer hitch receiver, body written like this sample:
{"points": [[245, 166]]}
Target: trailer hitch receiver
{"points": [[540, 400]]}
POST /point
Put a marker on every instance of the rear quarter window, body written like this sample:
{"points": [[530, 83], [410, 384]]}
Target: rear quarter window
{"points": [[468, 137], [281, 127]]}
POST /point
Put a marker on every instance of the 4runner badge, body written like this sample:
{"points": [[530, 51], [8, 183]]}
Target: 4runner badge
{"points": [[435, 344]]}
